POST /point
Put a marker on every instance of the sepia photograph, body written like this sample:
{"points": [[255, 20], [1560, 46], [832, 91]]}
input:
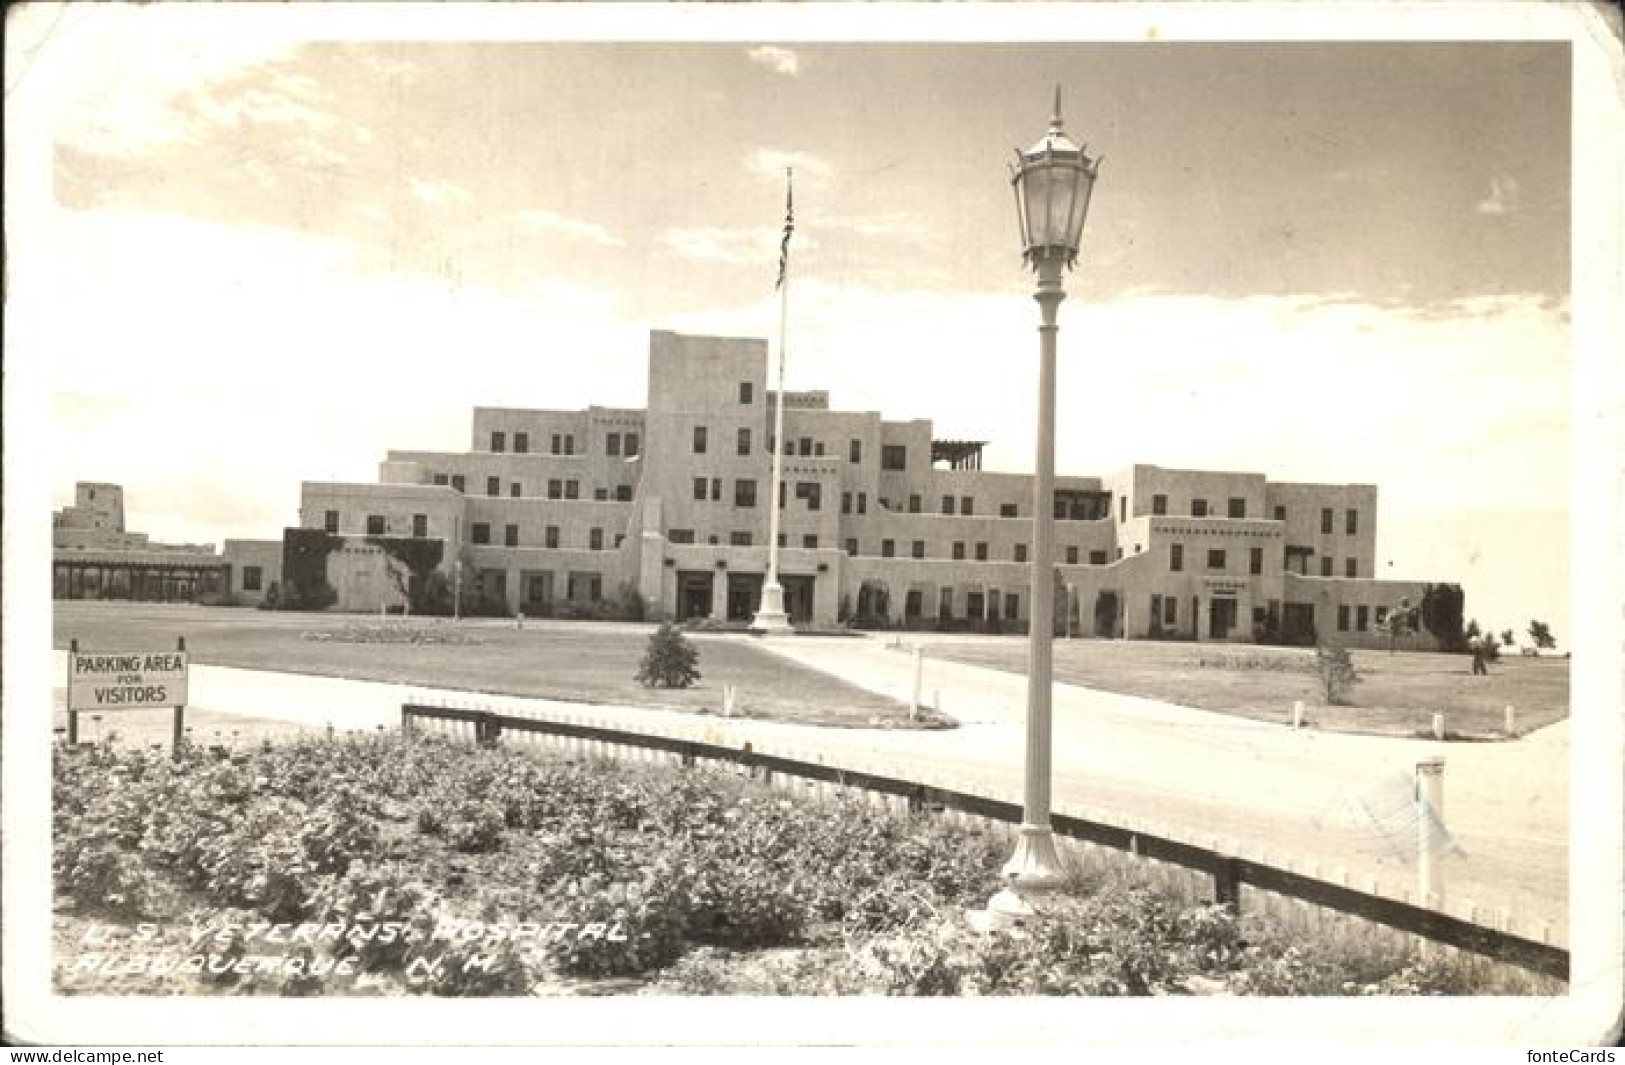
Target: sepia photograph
{"points": [[760, 524]]}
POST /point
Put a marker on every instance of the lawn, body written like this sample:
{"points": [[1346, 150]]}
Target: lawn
{"points": [[578, 662], [1398, 694]]}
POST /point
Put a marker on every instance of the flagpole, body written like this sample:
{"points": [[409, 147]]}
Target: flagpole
{"points": [[770, 616]]}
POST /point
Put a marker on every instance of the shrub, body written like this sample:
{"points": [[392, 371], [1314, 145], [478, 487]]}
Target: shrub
{"points": [[670, 662], [1335, 672]]}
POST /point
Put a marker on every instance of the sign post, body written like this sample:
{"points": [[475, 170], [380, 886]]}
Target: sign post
{"points": [[128, 680]]}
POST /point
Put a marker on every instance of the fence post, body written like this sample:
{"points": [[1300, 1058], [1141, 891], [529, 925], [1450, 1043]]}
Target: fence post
{"points": [[919, 679], [1227, 882], [73, 715], [1438, 726], [1511, 721], [1297, 714], [1429, 831]]}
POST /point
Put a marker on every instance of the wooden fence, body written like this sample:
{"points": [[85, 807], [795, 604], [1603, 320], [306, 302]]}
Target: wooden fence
{"points": [[1225, 874]]}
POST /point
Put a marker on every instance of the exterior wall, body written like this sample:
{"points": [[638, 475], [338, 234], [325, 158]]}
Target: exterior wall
{"points": [[565, 511], [255, 565]]}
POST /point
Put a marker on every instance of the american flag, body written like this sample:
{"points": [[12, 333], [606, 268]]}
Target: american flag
{"points": [[789, 227]]}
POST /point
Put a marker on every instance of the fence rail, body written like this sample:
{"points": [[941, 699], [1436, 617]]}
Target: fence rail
{"points": [[1228, 873]]}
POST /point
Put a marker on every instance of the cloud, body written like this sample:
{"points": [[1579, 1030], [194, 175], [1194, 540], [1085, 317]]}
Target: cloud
{"points": [[437, 193], [779, 60], [735, 245], [771, 163], [1503, 197], [540, 220]]}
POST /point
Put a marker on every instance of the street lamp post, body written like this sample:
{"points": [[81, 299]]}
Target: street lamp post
{"points": [[1053, 181]]}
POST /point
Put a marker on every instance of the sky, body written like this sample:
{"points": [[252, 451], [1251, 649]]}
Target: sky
{"points": [[272, 259]]}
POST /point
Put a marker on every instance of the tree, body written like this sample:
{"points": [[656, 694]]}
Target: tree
{"points": [[1507, 638], [670, 661], [1336, 673], [1540, 634], [1406, 617], [1442, 613]]}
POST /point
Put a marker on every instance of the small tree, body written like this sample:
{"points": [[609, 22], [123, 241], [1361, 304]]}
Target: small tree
{"points": [[670, 661], [1335, 671], [1540, 634], [1507, 639], [1442, 613], [1404, 618]]}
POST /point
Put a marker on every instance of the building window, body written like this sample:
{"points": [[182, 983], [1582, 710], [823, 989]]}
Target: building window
{"points": [[1351, 522], [739, 539], [499, 441], [1072, 555], [555, 489], [572, 489], [521, 443], [1326, 566], [1255, 560], [947, 504], [863, 502], [623, 493], [1012, 606], [442, 479], [1021, 552], [945, 603], [631, 444], [1122, 510], [480, 532], [1351, 567], [510, 535], [959, 551], [846, 502], [806, 445], [1342, 617], [913, 603], [252, 575], [981, 552], [914, 503], [716, 489], [600, 495], [818, 448], [1176, 557], [595, 539], [699, 489], [1159, 504], [680, 536], [746, 393], [1280, 513], [330, 521], [812, 492], [781, 540], [514, 490], [375, 525], [1007, 510], [1326, 519], [551, 536], [1238, 508], [420, 525], [699, 440], [744, 493], [457, 482], [1215, 558], [493, 486], [1382, 616], [1097, 558], [852, 547], [854, 450], [1198, 508], [558, 444], [1170, 611], [894, 457], [1362, 618], [965, 506], [918, 549], [569, 443], [743, 443], [612, 445], [887, 549], [810, 542]]}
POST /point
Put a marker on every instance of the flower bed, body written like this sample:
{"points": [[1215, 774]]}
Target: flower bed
{"points": [[389, 865]]}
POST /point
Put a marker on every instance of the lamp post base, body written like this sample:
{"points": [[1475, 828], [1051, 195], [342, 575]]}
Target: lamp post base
{"points": [[1032, 871], [770, 617]]}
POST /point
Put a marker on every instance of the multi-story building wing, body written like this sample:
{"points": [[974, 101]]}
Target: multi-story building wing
{"points": [[879, 520]]}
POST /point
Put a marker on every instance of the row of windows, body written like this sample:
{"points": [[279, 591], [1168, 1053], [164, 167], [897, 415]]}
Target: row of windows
{"points": [[480, 533], [1237, 508], [565, 443], [1362, 617], [557, 488], [977, 604], [1217, 560]]}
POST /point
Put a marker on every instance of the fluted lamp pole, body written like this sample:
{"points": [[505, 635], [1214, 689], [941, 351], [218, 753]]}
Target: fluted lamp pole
{"points": [[1052, 180]]}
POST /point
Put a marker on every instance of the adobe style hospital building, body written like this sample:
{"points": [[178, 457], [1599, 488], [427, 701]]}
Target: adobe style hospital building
{"points": [[879, 520]]}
